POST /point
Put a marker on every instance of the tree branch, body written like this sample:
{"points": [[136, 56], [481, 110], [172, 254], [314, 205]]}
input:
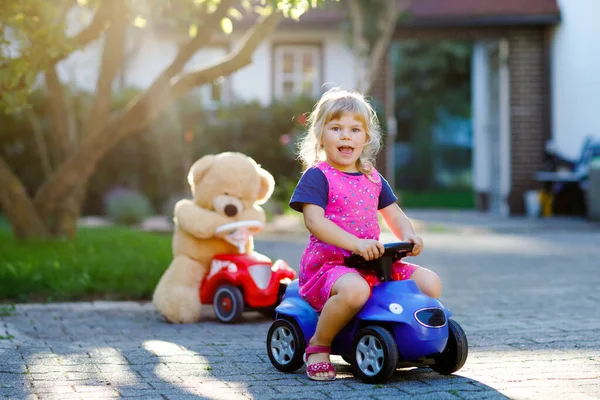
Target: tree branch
{"points": [[65, 11], [233, 61], [360, 43], [157, 98], [95, 28], [40, 142], [210, 23], [112, 57], [62, 137], [85, 36], [383, 42], [160, 87]]}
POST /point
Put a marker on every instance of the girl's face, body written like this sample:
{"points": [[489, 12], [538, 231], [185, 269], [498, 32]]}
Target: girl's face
{"points": [[343, 141]]}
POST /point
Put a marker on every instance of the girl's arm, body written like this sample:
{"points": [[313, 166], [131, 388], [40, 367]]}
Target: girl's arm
{"points": [[401, 227], [327, 231]]}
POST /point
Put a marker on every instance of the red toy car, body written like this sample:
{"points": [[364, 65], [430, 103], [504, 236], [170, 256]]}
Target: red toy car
{"points": [[238, 282]]}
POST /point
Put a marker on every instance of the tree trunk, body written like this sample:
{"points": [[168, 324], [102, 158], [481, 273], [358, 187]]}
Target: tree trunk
{"points": [[18, 207], [64, 219], [368, 57]]}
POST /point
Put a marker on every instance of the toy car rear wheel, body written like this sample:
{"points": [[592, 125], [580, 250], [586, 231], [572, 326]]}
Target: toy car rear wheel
{"points": [[455, 354], [375, 354], [285, 345], [228, 304]]}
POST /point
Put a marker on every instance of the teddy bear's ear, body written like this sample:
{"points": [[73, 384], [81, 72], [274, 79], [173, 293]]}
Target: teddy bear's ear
{"points": [[199, 169], [267, 184]]}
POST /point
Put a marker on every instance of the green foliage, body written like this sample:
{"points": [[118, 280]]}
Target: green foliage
{"points": [[432, 75], [266, 133], [34, 33], [373, 13], [431, 78], [101, 263], [127, 206]]}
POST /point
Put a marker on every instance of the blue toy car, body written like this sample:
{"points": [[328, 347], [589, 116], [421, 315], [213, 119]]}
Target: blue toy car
{"points": [[398, 327]]}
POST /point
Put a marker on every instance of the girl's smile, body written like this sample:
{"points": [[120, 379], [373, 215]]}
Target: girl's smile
{"points": [[343, 141]]}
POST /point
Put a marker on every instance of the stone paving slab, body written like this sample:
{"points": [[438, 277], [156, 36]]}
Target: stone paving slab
{"points": [[528, 303]]}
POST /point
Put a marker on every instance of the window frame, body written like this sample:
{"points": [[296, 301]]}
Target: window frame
{"points": [[297, 75]]}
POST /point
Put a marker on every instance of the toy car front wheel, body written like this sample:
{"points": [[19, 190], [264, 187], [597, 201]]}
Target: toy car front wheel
{"points": [[285, 345], [455, 354], [228, 304], [375, 354]]}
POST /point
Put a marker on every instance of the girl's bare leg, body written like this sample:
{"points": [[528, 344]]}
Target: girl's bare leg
{"points": [[349, 293], [428, 282]]}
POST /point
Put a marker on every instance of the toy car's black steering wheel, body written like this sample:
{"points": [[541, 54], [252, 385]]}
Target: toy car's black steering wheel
{"points": [[383, 264]]}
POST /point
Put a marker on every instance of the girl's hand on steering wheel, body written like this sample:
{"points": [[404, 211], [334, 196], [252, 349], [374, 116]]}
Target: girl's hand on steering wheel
{"points": [[418, 244], [369, 249]]}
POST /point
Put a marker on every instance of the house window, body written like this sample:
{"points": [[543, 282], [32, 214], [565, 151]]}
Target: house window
{"points": [[297, 71]]}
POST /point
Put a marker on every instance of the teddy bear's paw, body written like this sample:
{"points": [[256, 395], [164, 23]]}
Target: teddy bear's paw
{"points": [[178, 306], [181, 316]]}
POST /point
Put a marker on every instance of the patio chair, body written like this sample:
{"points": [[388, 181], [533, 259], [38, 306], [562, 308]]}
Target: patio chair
{"points": [[570, 183]]}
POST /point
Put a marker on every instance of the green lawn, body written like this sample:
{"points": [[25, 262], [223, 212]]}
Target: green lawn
{"points": [[101, 263], [442, 199]]}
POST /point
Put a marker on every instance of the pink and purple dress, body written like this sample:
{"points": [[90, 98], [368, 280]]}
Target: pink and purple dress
{"points": [[352, 204]]}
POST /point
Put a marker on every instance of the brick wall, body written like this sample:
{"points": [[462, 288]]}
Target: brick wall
{"points": [[529, 105], [529, 96]]}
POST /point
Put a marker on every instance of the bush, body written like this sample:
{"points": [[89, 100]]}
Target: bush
{"points": [[261, 132], [127, 206]]}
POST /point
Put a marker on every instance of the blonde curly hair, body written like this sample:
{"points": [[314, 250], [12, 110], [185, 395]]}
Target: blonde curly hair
{"points": [[332, 105]]}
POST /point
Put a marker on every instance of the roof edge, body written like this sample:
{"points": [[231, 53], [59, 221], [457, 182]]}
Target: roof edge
{"points": [[483, 21]]}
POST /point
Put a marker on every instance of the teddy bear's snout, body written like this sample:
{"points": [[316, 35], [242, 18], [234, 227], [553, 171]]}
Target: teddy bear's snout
{"points": [[230, 210], [229, 206]]}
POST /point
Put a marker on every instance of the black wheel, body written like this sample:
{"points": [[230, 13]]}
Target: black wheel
{"points": [[228, 304], [455, 354], [285, 345], [376, 354]]}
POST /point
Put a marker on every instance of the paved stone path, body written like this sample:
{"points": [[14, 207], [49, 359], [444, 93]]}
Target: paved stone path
{"points": [[529, 303]]}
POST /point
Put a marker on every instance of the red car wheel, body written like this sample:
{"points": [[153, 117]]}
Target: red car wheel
{"points": [[228, 304]]}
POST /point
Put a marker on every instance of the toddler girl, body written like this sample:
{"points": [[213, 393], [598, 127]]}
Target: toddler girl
{"points": [[339, 195]]}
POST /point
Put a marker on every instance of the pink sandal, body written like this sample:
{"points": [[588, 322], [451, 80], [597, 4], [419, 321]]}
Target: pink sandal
{"points": [[323, 366]]}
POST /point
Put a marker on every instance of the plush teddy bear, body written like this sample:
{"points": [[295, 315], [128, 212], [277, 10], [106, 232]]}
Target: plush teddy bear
{"points": [[227, 187]]}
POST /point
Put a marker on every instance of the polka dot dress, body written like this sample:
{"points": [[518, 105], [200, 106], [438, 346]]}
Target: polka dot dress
{"points": [[352, 205]]}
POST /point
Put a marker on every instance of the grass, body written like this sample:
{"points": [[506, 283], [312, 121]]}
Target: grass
{"points": [[99, 264], [440, 199]]}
